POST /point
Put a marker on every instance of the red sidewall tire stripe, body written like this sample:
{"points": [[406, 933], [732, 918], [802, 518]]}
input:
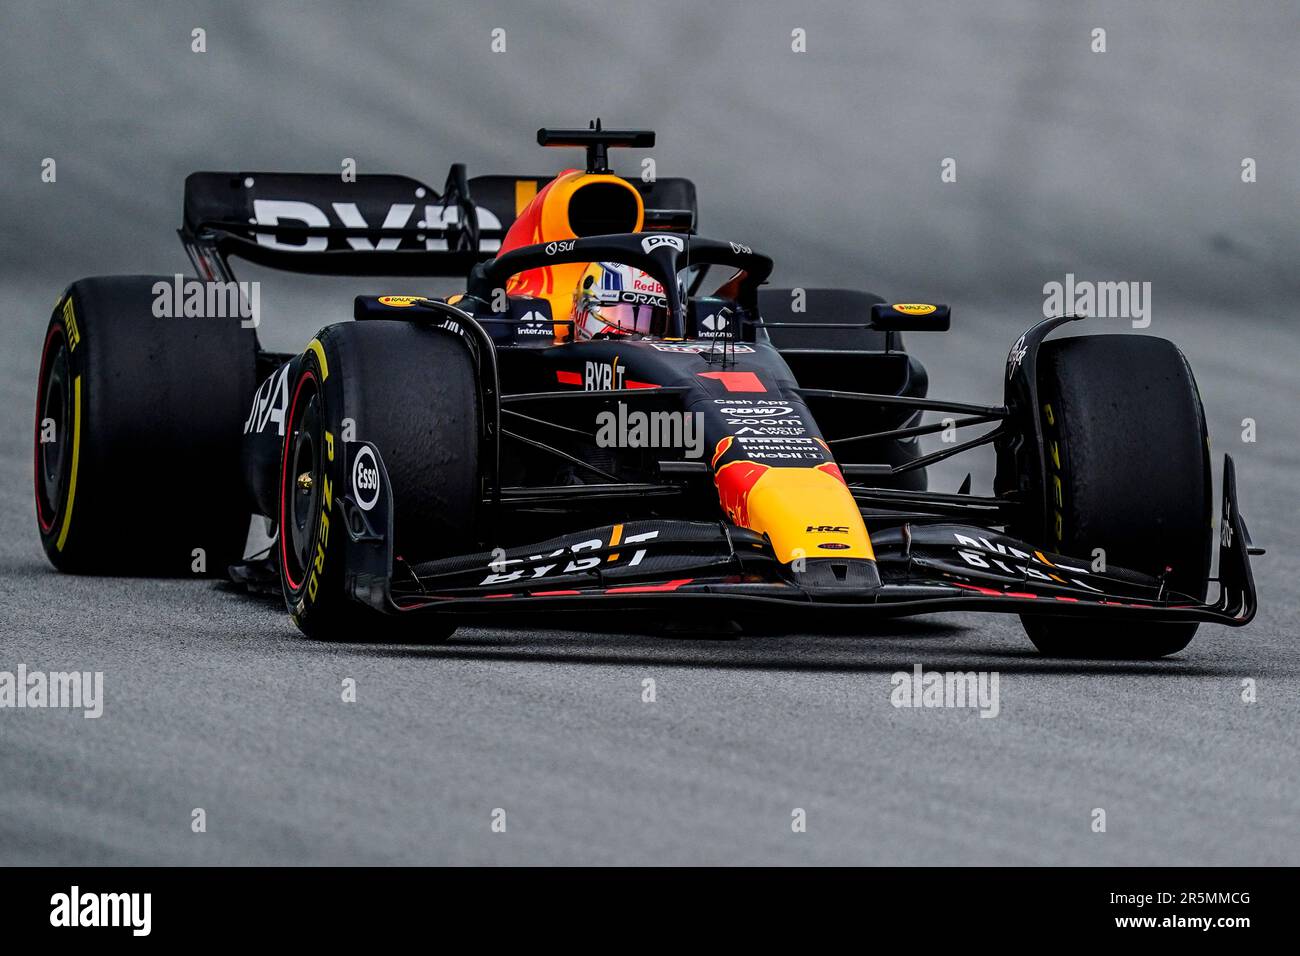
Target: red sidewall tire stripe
{"points": [[306, 376]]}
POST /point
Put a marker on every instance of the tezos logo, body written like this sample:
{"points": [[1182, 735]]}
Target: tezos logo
{"points": [[650, 243], [365, 479]]}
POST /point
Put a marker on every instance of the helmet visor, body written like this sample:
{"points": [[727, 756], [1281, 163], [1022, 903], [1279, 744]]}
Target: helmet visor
{"points": [[626, 313]]}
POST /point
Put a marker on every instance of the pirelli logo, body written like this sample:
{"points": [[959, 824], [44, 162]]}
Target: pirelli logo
{"points": [[70, 324]]}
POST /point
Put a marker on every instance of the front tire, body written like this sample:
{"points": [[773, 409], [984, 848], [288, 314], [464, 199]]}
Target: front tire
{"points": [[411, 392], [1128, 471]]}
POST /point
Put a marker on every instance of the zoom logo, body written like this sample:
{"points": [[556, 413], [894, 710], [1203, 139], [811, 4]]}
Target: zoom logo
{"points": [[365, 479]]}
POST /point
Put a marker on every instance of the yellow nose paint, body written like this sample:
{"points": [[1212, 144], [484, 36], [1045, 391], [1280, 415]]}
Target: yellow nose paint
{"points": [[809, 513]]}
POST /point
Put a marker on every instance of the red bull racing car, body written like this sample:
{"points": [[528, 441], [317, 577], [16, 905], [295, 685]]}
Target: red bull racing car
{"points": [[592, 425]]}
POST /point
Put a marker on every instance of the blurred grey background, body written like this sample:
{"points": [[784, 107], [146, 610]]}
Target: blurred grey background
{"points": [[1123, 165]]}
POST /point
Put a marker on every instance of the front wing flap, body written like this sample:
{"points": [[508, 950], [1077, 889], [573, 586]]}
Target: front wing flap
{"points": [[715, 567]]}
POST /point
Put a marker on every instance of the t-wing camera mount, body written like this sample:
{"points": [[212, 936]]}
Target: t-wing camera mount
{"points": [[596, 141]]}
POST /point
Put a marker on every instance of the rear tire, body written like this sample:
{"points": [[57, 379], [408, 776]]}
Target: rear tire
{"points": [[1125, 416], [411, 392], [138, 428]]}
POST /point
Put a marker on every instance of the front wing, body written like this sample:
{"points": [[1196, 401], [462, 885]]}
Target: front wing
{"points": [[714, 568]]}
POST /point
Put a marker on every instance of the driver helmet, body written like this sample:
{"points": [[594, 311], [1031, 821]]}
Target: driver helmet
{"points": [[613, 298]]}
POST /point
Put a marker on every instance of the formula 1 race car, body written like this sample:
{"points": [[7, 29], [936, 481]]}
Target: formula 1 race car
{"points": [[585, 428]]}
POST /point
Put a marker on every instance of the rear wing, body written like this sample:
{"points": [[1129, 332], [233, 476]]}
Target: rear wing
{"points": [[375, 225]]}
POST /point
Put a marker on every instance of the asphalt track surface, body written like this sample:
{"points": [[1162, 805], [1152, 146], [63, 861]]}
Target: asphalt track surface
{"points": [[1123, 165]]}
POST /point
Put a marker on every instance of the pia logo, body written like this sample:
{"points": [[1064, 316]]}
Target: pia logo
{"points": [[650, 243]]}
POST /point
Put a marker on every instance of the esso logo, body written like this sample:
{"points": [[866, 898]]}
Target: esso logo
{"points": [[365, 479]]}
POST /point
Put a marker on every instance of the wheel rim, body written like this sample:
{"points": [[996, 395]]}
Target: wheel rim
{"points": [[55, 401], [300, 492]]}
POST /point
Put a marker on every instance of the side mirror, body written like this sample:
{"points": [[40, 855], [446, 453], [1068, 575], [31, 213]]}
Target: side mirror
{"points": [[910, 317]]}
